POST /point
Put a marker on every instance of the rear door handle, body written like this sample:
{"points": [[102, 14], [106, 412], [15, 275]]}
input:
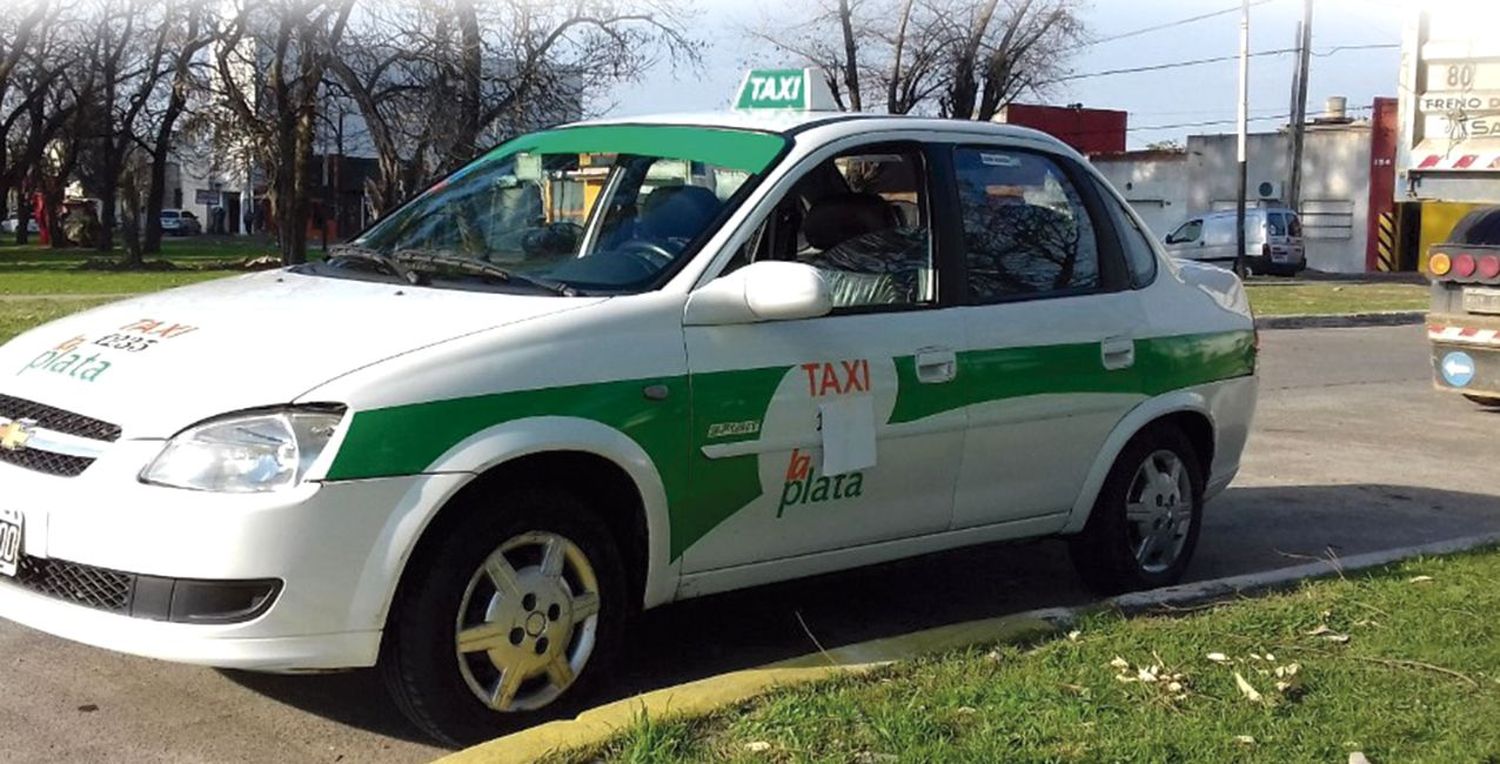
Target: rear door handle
{"points": [[936, 366], [1117, 353]]}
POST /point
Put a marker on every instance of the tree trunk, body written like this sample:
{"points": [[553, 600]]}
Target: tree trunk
{"points": [[471, 95], [892, 102], [108, 196], [851, 57], [156, 188], [23, 214]]}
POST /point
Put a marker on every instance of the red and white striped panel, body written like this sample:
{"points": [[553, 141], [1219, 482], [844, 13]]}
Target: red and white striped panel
{"points": [[1459, 161], [1462, 334]]}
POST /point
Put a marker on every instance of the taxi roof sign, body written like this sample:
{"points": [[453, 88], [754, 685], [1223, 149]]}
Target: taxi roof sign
{"points": [[785, 89]]}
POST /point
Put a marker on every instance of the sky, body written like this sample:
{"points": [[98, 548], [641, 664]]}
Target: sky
{"points": [[1159, 102]]}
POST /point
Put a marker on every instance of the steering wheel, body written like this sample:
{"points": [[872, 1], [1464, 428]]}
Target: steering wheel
{"points": [[655, 255]]}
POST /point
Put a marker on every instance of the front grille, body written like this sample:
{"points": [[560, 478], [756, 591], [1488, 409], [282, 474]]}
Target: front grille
{"points": [[86, 585], [61, 465], [57, 420]]}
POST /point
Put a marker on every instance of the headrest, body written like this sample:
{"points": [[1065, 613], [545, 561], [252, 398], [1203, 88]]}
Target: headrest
{"points": [[841, 217], [678, 212]]}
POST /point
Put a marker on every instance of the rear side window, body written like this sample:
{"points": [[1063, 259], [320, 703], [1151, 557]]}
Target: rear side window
{"points": [[1140, 255], [1026, 231]]}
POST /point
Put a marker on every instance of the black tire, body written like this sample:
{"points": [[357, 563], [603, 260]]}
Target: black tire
{"points": [[1484, 400], [1104, 553], [418, 659]]}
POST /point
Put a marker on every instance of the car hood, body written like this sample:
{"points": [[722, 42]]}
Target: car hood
{"points": [[157, 363]]}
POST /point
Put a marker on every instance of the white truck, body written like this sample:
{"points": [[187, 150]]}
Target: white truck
{"points": [[1449, 151]]}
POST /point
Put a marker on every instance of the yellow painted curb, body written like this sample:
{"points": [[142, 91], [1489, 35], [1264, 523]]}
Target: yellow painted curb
{"points": [[705, 696]]}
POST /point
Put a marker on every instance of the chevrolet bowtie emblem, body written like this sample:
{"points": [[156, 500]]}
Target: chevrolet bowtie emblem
{"points": [[15, 435]]}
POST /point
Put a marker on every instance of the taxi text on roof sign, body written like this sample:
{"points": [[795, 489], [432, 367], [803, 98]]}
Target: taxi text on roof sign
{"points": [[791, 89]]}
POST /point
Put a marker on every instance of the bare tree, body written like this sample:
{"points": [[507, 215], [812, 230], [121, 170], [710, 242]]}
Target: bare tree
{"points": [[269, 66], [434, 80], [954, 58], [188, 27], [26, 78]]}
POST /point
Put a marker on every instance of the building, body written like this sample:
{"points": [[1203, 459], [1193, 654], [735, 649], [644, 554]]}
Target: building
{"points": [[1088, 131], [1344, 183]]}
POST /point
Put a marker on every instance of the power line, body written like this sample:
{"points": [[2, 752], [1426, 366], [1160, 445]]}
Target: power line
{"points": [[1168, 25], [1215, 60], [1211, 122]]}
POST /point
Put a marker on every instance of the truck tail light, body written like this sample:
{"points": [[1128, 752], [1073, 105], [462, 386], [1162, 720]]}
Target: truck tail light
{"points": [[1439, 264], [1464, 265], [1489, 267]]}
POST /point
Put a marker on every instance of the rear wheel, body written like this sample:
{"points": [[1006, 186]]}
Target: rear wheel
{"points": [[511, 618], [1145, 523], [1484, 400]]}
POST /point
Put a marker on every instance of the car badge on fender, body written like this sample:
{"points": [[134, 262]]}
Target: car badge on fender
{"points": [[15, 435]]}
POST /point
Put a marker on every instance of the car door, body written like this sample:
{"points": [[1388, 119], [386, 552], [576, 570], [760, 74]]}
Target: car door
{"points": [[1219, 240], [784, 411], [1047, 365]]}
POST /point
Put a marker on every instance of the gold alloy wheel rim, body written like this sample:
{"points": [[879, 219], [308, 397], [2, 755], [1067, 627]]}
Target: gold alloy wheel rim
{"points": [[528, 622]]}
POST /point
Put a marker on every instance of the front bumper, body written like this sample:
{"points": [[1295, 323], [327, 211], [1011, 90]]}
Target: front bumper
{"points": [[336, 550]]}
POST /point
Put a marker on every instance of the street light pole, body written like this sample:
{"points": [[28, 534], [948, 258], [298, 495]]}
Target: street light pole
{"points": [[1239, 209]]}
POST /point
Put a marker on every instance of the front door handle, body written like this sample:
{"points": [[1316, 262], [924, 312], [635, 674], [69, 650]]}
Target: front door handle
{"points": [[1117, 353], [936, 366]]}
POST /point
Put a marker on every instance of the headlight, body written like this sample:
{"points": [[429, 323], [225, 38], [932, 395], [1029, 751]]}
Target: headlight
{"points": [[245, 453]]}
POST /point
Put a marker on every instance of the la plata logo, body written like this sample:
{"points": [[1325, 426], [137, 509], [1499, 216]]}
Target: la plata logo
{"points": [[66, 360], [805, 486]]}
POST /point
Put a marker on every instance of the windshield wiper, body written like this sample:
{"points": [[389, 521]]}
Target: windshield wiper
{"points": [[478, 267], [368, 255]]}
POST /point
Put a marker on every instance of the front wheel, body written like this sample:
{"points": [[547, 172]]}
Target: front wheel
{"points": [[510, 619], [1144, 526]]}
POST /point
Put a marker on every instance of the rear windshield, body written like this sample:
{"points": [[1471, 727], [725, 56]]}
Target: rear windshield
{"points": [[1276, 223]]}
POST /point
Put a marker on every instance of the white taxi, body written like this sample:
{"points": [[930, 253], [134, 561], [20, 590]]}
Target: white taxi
{"points": [[609, 366]]}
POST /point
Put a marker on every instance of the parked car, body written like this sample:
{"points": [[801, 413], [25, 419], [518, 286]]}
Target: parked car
{"points": [[180, 223], [784, 344], [1273, 240], [10, 226]]}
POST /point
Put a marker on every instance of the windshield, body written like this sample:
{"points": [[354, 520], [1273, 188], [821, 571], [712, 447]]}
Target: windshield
{"points": [[604, 208]]}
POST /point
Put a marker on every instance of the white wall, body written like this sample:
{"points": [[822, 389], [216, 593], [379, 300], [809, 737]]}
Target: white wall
{"points": [[1154, 182], [1335, 185]]}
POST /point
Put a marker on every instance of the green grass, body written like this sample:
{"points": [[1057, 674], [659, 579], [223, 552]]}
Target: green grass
{"points": [[1333, 298], [178, 250], [18, 315], [1418, 679], [37, 270]]}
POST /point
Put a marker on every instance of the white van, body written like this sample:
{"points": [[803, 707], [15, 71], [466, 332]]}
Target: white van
{"points": [[1273, 240]]}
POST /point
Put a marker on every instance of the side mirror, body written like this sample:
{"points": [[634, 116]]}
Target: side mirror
{"points": [[763, 291]]}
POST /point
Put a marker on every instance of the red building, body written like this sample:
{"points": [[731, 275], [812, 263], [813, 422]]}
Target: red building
{"points": [[1089, 131]]}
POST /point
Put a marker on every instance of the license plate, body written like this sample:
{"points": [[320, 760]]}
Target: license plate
{"points": [[1481, 300], [10, 541]]}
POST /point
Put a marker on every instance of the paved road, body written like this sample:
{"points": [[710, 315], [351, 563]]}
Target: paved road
{"points": [[1352, 452]]}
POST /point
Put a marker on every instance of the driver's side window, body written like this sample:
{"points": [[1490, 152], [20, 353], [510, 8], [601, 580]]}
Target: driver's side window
{"points": [[1186, 233], [862, 219]]}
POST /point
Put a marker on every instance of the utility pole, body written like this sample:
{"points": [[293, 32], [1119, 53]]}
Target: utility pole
{"points": [[1299, 106], [1239, 207]]}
